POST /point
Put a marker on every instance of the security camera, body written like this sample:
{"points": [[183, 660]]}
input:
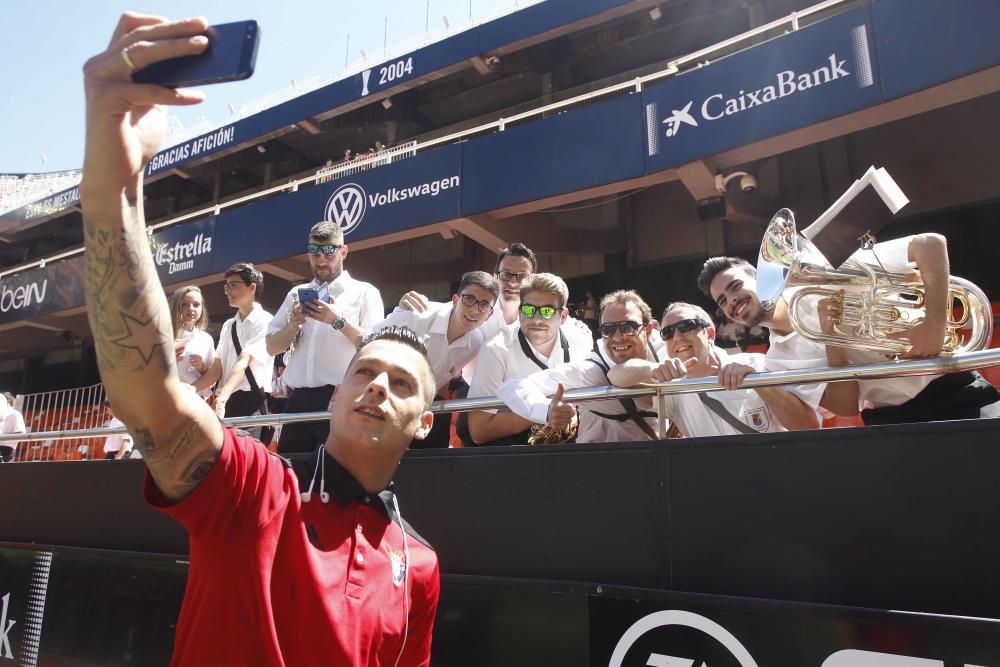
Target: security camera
{"points": [[748, 182]]}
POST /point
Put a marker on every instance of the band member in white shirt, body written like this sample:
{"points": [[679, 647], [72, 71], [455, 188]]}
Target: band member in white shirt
{"points": [[626, 327], [241, 354], [535, 342], [690, 337], [321, 335], [452, 331]]}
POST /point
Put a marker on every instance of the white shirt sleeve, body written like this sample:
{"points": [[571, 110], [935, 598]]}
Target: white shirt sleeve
{"points": [[372, 309], [894, 255], [399, 317], [225, 341], [255, 344], [280, 318], [490, 371], [529, 396]]}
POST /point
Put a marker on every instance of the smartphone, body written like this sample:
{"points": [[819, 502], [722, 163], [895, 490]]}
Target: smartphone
{"points": [[307, 294], [230, 56]]}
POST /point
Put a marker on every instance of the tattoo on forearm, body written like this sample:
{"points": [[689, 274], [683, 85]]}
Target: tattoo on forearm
{"points": [[143, 441], [122, 295]]}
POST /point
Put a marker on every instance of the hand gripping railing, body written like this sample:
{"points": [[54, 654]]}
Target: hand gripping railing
{"points": [[938, 365]]}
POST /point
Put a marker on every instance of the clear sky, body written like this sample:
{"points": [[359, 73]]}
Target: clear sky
{"points": [[47, 41]]}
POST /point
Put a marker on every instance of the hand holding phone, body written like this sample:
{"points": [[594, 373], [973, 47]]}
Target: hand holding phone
{"points": [[230, 56], [307, 295]]}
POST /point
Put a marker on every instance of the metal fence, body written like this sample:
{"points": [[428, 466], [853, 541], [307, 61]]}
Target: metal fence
{"points": [[935, 366], [81, 409]]}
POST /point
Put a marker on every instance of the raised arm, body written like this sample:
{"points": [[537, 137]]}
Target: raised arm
{"points": [[175, 431]]}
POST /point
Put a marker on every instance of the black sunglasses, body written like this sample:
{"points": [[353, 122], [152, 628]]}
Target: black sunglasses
{"points": [[325, 248], [545, 312], [628, 327], [684, 326], [470, 300]]}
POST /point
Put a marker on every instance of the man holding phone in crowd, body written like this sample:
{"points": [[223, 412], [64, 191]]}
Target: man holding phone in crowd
{"points": [[276, 577], [320, 324]]}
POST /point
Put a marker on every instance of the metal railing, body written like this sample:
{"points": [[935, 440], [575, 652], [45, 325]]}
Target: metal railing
{"points": [[936, 366], [627, 87]]}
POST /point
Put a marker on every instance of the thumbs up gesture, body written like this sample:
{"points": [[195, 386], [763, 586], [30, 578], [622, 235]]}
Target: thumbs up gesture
{"points": [[560, 412]]}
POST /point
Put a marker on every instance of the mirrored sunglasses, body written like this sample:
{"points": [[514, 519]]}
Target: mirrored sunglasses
{"points": [[325, 248], [545, 312], [628, 327]]}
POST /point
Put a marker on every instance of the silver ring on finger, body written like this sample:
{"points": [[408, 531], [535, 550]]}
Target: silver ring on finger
{"points": [[128, 59]]}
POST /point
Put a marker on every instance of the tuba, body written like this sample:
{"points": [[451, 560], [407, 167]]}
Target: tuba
{"points": [[869, 302]]}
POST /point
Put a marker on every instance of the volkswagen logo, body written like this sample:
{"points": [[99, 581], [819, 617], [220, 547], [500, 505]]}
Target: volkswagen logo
{"points": [[346, 207]]}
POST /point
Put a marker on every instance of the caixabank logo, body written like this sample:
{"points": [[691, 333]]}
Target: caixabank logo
{"points": [[749, 97]]}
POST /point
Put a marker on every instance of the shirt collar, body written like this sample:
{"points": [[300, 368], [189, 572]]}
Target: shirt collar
{"points": [[253, 311], [342, 279], [341, 484], [440, 323]]}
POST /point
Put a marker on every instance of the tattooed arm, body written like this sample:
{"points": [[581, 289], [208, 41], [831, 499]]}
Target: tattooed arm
{"points": [[176, 432]]}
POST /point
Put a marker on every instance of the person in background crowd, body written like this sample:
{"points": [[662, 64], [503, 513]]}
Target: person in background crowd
{"points": [[194, 347], [242, 362], [116, 447], [279, 390], [452, 332], [11, 422], [536, 342], [589, 312], [320, 336], [626, 326], [690, 338], [271, 578]]}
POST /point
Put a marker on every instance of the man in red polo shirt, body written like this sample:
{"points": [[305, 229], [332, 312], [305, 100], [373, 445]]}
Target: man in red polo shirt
{"points": [[309, 567]]}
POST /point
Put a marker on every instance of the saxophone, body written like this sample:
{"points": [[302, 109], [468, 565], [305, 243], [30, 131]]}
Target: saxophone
{"points": [[543, 434]]}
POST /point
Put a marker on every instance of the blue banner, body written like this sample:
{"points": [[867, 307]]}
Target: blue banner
{"points": [[49, 289], [21, 218], [414, 192], [598, 144], [184, 252], [819, 72], [945, 40]]}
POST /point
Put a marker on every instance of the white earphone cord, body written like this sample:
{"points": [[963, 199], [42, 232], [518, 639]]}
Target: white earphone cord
{"points": [[406, 577]]}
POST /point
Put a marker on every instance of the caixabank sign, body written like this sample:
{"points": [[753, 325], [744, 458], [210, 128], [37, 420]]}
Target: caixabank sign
{"points": [[819, 72]]}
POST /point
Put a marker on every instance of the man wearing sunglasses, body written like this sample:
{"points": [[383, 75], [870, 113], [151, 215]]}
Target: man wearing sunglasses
{"points": [[237, 397], [536, 342], [321, 333], [626, 327], [452, 332], [690, 338]]}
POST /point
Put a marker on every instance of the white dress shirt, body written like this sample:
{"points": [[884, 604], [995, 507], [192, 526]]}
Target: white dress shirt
{"points": [[322, 353], [198, 343], [114, 443], [695, 419], [529, 397], [431, 326], [10, 423], [251, 332], [503, 358]]}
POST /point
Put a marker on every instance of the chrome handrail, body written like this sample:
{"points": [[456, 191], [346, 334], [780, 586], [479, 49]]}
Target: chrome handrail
{"points": [[938, 365]]}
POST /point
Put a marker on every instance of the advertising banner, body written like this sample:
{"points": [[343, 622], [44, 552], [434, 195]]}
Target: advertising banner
{"points": [[819, 72]]}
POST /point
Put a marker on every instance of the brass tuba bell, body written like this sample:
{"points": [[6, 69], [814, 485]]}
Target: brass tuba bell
{"points": [[869, 302]]}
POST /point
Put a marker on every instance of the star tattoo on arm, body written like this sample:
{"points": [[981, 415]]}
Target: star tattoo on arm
{"points": [[143, 336]]}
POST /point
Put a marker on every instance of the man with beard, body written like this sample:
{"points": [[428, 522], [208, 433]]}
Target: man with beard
{"points": [[626, 327], [690, 338], [536, 342], [453, 334], [321, 335]]}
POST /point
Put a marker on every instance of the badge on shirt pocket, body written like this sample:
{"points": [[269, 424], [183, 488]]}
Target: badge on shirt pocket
{"points": [[757, 419], [398, 566]]}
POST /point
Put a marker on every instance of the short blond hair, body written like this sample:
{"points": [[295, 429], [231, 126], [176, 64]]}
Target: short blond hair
{"points": [[549, 283], [628, 296]]}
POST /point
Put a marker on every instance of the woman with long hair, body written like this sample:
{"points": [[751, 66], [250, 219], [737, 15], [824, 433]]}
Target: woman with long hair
{"points": [[195, 348]]}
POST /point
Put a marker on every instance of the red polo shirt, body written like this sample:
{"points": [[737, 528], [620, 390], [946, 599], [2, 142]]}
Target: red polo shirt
{"points": [[275, 581]]}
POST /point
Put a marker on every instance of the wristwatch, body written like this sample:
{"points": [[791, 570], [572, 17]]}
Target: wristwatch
{"points": [[338, 323]]}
